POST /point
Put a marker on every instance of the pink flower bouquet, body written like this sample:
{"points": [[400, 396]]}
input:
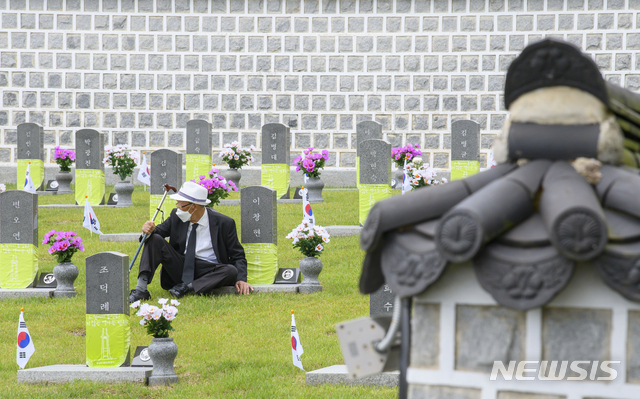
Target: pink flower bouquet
{"points": [[310, 163], [408, 152], [218, 187], [64, 158], [63, 244], [157, 319]]}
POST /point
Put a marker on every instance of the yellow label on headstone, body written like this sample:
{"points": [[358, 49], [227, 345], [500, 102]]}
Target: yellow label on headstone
{"points": [[89, 182], [198, 165], [369, 194], [276, 176], [167, 207], [37, 172], [262, 262], [462, 169], [18, 265], [108, 339]]}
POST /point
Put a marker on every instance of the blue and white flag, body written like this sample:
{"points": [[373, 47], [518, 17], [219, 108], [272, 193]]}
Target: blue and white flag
{"points": [[90, 220], [307, 212], [406, 185], [28, 182], [296, 346], [25, 346], [143, 173]]}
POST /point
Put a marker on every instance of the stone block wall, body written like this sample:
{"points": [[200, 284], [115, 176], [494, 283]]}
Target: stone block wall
{"points": [[139, 70]]}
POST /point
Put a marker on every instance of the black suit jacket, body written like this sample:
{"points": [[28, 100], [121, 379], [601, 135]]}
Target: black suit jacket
{"points": [[224, 237]]}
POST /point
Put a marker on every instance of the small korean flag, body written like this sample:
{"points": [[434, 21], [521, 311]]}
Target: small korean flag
{"points": [[296, 346], [28, 182], [25, 346], [90, 220], [143, 173], [307, 212]]}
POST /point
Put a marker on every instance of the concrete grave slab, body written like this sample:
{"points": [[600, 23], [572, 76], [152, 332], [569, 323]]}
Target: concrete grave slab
{"points": [[337, 374], [26, 293], [61, 373]]}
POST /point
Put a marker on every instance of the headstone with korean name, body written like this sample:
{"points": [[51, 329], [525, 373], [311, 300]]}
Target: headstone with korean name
{"points": [[90, 182], [199, 160], [107, 322], [366, 130], [465, 149], [258, 233], [31, 152], [165, 168], [276, 158], [381, 302], [375, 175], [18, 239]]}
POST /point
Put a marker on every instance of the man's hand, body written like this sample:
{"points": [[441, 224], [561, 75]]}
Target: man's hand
{"points": [[243, 287], [148, 227]]}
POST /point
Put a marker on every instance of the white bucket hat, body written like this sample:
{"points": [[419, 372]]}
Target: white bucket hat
{"points": [[192, 192]]}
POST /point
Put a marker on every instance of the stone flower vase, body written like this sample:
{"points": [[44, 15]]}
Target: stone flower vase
{"points": [[398, 176], [315, 186], [232, 175], [124, 189], [310, 267], [65, 274], [163, 352], [64, 182]]}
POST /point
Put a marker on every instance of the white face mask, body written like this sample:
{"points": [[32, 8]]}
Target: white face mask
{"points": [[185, 216]]}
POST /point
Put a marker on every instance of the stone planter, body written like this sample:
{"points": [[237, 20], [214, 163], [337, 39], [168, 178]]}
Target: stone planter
{"points": [[398, 178], [315, 186], [163, 352], [124, 189], [310, 267], [232, 175], [64, 182], [65, 274]]}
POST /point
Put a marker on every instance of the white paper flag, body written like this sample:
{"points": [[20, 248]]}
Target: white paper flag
{"points": [[90, 220], [143, 173], [296, 346], [25, 346], [28, 182]]}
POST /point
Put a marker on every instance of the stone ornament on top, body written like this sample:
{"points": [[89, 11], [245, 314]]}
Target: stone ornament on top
{"points": [[31, 152], [89, 175], [276, 158], [18, 239]]}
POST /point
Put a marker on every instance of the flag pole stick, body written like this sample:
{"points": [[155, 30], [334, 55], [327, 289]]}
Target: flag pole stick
{"points": [[144, 237]]}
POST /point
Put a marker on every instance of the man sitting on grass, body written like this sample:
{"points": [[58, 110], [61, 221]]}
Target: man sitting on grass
{"points": [[203, 252]]}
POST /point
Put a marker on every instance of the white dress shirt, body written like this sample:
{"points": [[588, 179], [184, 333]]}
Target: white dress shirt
{"points": [[204, 247]]}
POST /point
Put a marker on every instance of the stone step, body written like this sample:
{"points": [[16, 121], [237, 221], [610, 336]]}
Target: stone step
{"points": [[259, 289], [337, 374], [26, 293], [61, 373]]}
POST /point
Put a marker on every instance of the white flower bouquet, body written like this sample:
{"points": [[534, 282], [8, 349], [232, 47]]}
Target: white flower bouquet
{"points": [[157, 319], [309, 239]]}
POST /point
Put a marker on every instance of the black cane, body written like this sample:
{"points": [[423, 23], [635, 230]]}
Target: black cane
{"points": [[144, 237]]}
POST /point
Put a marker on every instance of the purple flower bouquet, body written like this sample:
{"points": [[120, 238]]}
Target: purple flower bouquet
{"points": [[408, 152], [218, 187], [310, 163], [64, 158], [63, 244]]}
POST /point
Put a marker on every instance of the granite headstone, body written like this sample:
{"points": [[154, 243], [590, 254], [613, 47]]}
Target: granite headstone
{"points": [[107, 304], [165, 168], [381, 302], [89, 167], [366, 130], [465, 149], [199, 160], [31, 148], [375, 175], [18, 238], [276, 150], [258, 232]]}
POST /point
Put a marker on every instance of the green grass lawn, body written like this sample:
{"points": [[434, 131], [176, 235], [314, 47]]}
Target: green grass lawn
{"points": [[228, 346]]}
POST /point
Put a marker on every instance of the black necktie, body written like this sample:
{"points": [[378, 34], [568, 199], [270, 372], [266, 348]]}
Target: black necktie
{"points": [[190, 257]]}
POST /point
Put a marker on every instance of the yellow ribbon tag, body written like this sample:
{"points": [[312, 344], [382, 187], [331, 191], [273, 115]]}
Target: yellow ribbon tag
{"points": [[462, 169], [198, 165], [262, 262], [368, 195], [89, 183], [276, 176], [108, 339], [18, 265]]}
